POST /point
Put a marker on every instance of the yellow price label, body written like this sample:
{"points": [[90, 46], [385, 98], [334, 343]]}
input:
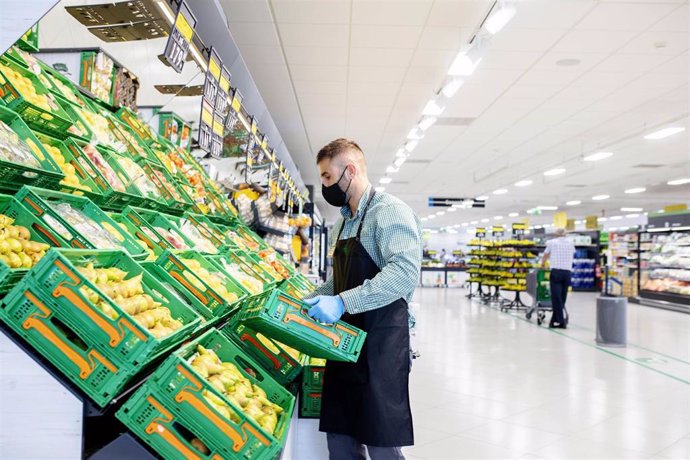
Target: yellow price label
{"points": [[675, 207], [183, 26], [207, 117], [560, 220], [218, 127], [224, 83], [236, 104], [591, 222], [254, 128], [264, 145], [214, 68]]}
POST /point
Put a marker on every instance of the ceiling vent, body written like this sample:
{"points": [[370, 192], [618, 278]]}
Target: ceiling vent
{"points": [[647, 166], [454, 121]]}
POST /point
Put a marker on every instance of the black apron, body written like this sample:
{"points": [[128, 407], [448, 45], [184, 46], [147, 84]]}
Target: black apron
{"points": [[369, 399]]}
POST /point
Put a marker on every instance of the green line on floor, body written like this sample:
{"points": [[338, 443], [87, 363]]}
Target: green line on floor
{"points": [[555, 331]]}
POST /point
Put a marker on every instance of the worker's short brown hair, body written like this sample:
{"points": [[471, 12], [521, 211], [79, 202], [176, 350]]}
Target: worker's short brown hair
{"points": [[335, 148]]}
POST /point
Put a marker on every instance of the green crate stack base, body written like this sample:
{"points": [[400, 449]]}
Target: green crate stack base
{"points": [[97, 353], [310, 403], [178, 390], [279, 316], [171, 269], [54, 122], [282, 367], [38, 201], [14, 175]]}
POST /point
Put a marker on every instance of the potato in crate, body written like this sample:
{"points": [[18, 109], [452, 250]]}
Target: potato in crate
{"points": [[222, 396], [96, 313]]}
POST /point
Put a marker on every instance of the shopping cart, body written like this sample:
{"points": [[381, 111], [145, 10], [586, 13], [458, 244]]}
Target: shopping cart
{"points": [[538, 289]]}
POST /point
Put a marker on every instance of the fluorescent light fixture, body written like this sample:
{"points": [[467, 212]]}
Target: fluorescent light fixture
{"points": [[548, 208], [399, 162], [665, 229], [498, 217], [427, 122], [414, 135], [598, 156], [441, 213], [464, 224], [452, 87], [432, 109], [451, 209], [573, 202], [683, 181], [645, 214], [666, 132], [423, 219], [499, 17], [616, 217], [385, 180], [410, 145], [500, 191], [600, 197], [635, 190], [602, 219], [392, 169], [165, 9], [485, 220], [523, 183], [482, 198], [464, 65], [660, 211], [554, 172], [401, 153], [631, 209], [632, 216], [380, 189], [513, 214], [474, 222]]}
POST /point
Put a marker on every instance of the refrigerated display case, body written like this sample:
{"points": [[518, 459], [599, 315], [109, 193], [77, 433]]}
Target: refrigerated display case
{"points": [[664, 274]]}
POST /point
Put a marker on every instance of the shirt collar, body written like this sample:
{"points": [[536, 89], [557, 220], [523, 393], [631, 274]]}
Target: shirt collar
{"points": [[347, 213]]}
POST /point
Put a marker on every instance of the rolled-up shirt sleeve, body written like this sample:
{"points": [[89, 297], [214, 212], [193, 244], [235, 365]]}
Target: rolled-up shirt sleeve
{"points": [[399, 240]]}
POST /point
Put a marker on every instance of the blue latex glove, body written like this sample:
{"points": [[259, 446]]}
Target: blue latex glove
{"points": [[326, 308]]}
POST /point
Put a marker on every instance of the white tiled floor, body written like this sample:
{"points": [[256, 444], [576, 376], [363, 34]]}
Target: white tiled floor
{"points": [[488, 385], [493, 385]]}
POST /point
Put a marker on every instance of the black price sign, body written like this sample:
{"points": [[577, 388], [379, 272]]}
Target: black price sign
{"points": [[212, 78], [217, 136], [480, 232], [177, 47], [519, 229], [206, 126], [223, 89], [233, 114]]}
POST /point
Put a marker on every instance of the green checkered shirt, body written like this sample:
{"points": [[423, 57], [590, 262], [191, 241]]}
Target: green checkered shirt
{"points": [[392, 236]]}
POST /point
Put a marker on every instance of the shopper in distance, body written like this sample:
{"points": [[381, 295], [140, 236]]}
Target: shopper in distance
{"points": [[560, 251], [376, 266]]}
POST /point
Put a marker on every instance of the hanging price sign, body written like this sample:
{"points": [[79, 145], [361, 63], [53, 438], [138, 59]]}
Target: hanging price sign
{"points": [[497, 230], [212, 78], [206, 126], [519, 229], [217, 136], [480, 232], [180, 38], [222, 95]]}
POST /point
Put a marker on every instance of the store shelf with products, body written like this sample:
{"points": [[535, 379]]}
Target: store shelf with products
{"points": [[623, 257], [664, 273], [130, 267]]}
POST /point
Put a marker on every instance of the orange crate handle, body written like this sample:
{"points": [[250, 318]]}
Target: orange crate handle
{"points": [[86, 365], [313, 325], [248, 338], [158, 426]]}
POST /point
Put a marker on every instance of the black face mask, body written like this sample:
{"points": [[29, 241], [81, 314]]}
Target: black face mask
{"points": [[334, 195]]}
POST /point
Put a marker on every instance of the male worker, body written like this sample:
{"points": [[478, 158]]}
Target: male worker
{"points": [[376, 265], [560, 251]]}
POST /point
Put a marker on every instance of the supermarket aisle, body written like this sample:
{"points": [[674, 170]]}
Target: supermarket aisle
{"points": [[492, 385]]}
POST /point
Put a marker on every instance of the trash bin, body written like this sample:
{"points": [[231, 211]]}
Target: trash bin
{"points": [[612, 314]]}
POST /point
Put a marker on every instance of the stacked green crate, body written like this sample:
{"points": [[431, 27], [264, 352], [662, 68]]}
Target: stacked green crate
{"points": [[312, 387]]}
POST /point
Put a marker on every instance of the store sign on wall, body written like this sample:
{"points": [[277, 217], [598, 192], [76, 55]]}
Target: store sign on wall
{"points": [[591, 223], [177, 47]]}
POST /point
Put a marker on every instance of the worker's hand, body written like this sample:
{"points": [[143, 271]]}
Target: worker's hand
{"points": [[326, 308]]}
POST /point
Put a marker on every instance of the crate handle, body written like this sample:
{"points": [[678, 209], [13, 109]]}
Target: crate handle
{"points": [[180, 279], [313, 325], [248, 338], [86, 366], [191, 398], [157, 427], [47, 234]]}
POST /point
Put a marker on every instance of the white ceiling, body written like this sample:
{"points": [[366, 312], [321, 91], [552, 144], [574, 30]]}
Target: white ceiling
{"points": [[365, 69]]}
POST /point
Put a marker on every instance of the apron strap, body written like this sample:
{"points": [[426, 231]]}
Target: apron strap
{"points": [[364, 214]]}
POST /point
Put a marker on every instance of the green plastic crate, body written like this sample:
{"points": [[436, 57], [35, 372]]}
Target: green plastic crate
{"points": [[283, 318], [312, 377], [11, 207], [48, 309], [141, 129], [188, 228], [60, 86], [274, 359], [171, 268], [151, 226], [29, 41], [14, 175], [206, 228], [180, 389], [105, 195], [247, 266], [84, 173], [138, 149], [164, 431], [80, 130], [310, 404], [173, 198], [54, 122], [42, 203]]}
